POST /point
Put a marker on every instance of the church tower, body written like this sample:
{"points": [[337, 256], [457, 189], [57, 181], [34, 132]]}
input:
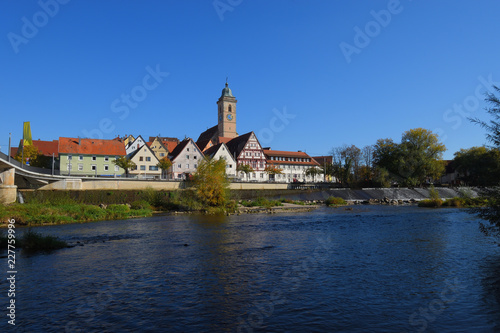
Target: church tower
{"points": [[227, 114]]}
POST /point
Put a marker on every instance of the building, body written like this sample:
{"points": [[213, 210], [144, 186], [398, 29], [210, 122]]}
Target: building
{"points": [[185, 159], [132, 146], [325, 162], [225, 129], [246, 149], [48, 149], [90, 157], [293, 165], [221, 151], [146, 163], [168, 142], [157, 146]]}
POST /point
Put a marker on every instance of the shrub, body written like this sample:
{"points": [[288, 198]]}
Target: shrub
{"points": [[117, 212], [32, 241], [430, 203], [141, 204], [335, 201]]}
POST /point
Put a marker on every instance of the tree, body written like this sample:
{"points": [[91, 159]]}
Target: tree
{"points": [[211, 183], [416, 159], [313, 171], [246, 168], [420, 157], [478, 166], [125, 163], [492, 212], [272, 170], [30, 153], [164, 164]]}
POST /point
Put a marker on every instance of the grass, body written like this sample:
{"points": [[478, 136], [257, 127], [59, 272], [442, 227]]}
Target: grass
{"points": [[31, 242], [335, 201], [261, 202]]}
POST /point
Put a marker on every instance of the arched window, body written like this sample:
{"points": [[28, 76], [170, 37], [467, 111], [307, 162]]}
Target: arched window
{"points": [[229, 108]]}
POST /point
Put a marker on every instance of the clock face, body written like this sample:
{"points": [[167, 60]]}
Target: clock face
{"points": [[229, 117]]}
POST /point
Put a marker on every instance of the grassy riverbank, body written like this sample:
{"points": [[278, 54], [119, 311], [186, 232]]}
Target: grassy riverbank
{"points": [[454, 202]]}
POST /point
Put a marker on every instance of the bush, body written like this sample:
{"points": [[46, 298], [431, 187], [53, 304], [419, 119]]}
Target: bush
{"points": [[114, 212], [430, 203], [141, 204], [32, 241], [335, 201]]}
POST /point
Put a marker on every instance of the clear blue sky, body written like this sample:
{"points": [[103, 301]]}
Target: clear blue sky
{"points": [[420, 67]]}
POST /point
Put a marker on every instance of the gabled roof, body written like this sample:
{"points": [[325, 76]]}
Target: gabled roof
{"points": [[237, 144], [170, 145], [290, 154], [206, 136], [133, 142], [46, 148], [180, 147], [91, 147], [323, 159], [135, 152], [161, 144], [210, 152]]}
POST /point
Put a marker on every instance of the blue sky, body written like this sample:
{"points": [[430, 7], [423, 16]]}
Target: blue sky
{"points": [[308, 75]]}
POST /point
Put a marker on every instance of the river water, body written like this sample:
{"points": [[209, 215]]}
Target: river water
{"points": [[370, 269]]}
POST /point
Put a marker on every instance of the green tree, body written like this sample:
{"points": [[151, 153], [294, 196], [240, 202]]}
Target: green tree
{"points": [[246, 168], [125, 163], [416, 159], [478, 166], [314, 171], [492, 212], [164, 164], [211, 183]]}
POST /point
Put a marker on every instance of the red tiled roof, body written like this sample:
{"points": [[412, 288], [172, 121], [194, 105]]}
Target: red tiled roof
{"points": [[323, 159], [291, 154], [46, 148], [13, 151], [91, 147], [224, 140], [170, 145]]}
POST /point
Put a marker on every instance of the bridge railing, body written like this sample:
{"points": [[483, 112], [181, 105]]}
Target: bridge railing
{"points": [[18, 164]]}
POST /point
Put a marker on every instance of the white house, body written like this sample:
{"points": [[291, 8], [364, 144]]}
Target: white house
{"points": [[132, 146], [221, 151], [185, 159], [293, 165]]}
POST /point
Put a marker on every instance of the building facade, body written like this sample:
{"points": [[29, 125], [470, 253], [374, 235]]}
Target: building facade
{"points": [[247, 150], [185, 159], [146, 164], [221, 151], [90, 157], [293, 165]]}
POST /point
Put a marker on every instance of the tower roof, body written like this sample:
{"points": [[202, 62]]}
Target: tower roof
{"points": [[226, 92]]}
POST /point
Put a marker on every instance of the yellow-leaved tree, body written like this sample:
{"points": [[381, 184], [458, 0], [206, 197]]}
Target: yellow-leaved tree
{"points": [[211, 183]]}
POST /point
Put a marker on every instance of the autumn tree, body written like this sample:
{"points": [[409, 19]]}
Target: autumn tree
{"points": [[30, 153], [211, 183], [246, 168], [164, 164], [272, 170], [125, 163]]}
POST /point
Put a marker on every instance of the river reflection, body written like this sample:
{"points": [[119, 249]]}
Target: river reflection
{"points": [[372, 269]]}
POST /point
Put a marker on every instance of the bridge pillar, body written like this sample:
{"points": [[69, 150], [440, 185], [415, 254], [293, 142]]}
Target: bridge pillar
{"points": [[8, 191]]}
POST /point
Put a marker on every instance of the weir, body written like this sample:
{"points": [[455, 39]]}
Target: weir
{"points": [[8, 191]]}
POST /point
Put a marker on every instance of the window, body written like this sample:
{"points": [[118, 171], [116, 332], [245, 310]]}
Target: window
{"points": [[70, 157], [253, 175], [195, 166], [187, 149], [117, 168], [179, 176], [80, 158], [153, 168], [141, 158], [261, 175], [194, 156], [93, 167], [69, 166], [106, 167], [162, 154], [80, 167], [187, 157], [179, 166], [148, 159], [143, 168], [230, 166], [229, 108], [187, 166], [94, 158], [261, 164], [106, 158]]}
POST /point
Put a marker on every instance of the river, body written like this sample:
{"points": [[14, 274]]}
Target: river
{"points": [[369, 269]]}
